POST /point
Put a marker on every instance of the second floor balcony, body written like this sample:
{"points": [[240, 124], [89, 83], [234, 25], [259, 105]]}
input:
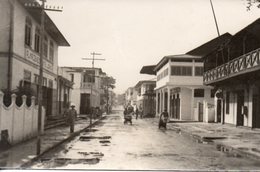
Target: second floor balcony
{"points": [[246, 63]]}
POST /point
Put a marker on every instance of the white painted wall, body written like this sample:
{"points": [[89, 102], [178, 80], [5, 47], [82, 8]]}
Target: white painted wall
{"points": [[21, 122], [185, 98]]}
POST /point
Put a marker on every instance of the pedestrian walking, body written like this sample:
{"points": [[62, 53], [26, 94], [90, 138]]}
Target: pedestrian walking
{"points": [[163, 119], [71, 117]]}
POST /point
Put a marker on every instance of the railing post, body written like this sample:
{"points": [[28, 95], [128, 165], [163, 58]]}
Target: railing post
{"points": [[23, 109], [33, 111], [13, 106]]}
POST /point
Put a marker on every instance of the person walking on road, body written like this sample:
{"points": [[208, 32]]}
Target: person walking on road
{"points": [[163, 119], [71, 117]]}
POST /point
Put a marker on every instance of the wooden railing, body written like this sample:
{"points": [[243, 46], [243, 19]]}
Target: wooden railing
{"points": [[246, 63]]}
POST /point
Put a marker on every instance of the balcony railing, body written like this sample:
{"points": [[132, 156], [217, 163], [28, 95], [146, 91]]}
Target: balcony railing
{"points": [[87, 85], [246, 63]]}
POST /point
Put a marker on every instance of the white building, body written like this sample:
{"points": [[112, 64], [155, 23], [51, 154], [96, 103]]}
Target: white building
{"points": [[20, 47], [180, 89], [86, 89], [131, 96], [145, 99]]}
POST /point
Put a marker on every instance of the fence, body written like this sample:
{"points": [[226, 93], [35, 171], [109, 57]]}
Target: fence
{"points": [[21, 123]]}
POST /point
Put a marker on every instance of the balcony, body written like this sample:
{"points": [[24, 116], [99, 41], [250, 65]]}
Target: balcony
{"points": [[87, 85], [244, 64]]}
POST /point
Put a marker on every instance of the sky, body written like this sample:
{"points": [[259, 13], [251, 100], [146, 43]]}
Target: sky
{"points": [[133, 33]]}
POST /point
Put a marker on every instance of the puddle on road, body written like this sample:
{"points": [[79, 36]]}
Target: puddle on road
{"points": [[228, 151], [90, 130], [83, 138], [104, 141], [62, 162]]}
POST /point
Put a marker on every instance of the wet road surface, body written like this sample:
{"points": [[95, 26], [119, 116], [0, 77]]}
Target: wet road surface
{"points": [[142, 146]]}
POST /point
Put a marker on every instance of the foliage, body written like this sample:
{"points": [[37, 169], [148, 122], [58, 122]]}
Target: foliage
{"points": [[108, 82], [251, 3], [20, 91]]}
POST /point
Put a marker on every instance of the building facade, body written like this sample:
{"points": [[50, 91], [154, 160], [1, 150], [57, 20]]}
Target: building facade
{"points": [[145, 100], [234, 70], [64, 87], [86, 89], [180, 89], [131, 96], [20, 48]]}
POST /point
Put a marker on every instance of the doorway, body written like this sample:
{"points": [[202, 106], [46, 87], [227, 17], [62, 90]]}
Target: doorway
{"points": [[256, 110], [85, 103], [240, 104]]}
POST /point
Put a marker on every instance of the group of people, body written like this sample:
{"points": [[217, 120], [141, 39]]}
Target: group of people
{"points": [[130, 110]]}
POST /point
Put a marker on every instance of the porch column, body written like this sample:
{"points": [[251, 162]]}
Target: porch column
{"points": [[163, 100], [161, 106], [156, 102], [168, 101]]}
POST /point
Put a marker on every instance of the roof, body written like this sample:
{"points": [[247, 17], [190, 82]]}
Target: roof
{"points": [[148, 70], [210, 46], [252, 29], [50, 28], [165, 59], [144, 81], [81, 69]]}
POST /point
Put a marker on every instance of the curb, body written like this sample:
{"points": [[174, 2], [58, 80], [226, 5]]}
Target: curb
{"points": [[73, 135], [219, 146]]}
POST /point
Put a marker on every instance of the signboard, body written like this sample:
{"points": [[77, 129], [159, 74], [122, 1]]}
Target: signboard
{"points": [[35, 58]]}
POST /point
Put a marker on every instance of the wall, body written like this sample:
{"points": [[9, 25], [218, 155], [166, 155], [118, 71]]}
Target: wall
{"points": [[21, 122], [185, 96]]}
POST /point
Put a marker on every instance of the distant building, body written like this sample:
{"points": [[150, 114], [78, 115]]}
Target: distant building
{"points": [[130, 96], [234, 70], [86, 89], [179, 87], [146, 99], [20, 47], [64, 86]]}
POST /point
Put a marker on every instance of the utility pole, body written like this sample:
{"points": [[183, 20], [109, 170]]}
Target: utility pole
{"points": [[41, 7], [214, 16], [91, 96]]}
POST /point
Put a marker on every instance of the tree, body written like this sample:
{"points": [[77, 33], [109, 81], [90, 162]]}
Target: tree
{"points": [[251, 3], [107, 82]]}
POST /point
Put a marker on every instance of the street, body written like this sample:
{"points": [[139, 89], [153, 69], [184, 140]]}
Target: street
{"points": [[141, 146]]}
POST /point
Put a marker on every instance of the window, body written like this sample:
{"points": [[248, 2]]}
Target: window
{"points": [[45, 47], [36, 79], [72, 77], [50, 83], [51, 51], [27, 75], [44, 82], [28, 31], [37, 40], [198, 92], [212, 93], [89, 76], [227, 102], [181, 70], [199, 71]]}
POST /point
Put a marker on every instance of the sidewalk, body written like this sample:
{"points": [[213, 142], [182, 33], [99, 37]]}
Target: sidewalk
{"points": [[24, 152], [231, 139]]}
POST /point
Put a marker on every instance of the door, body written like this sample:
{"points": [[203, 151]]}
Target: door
{"points": [[178, 107], [240, 104], [256, 110], [200, 112], [218, 110], [85, 103]]}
